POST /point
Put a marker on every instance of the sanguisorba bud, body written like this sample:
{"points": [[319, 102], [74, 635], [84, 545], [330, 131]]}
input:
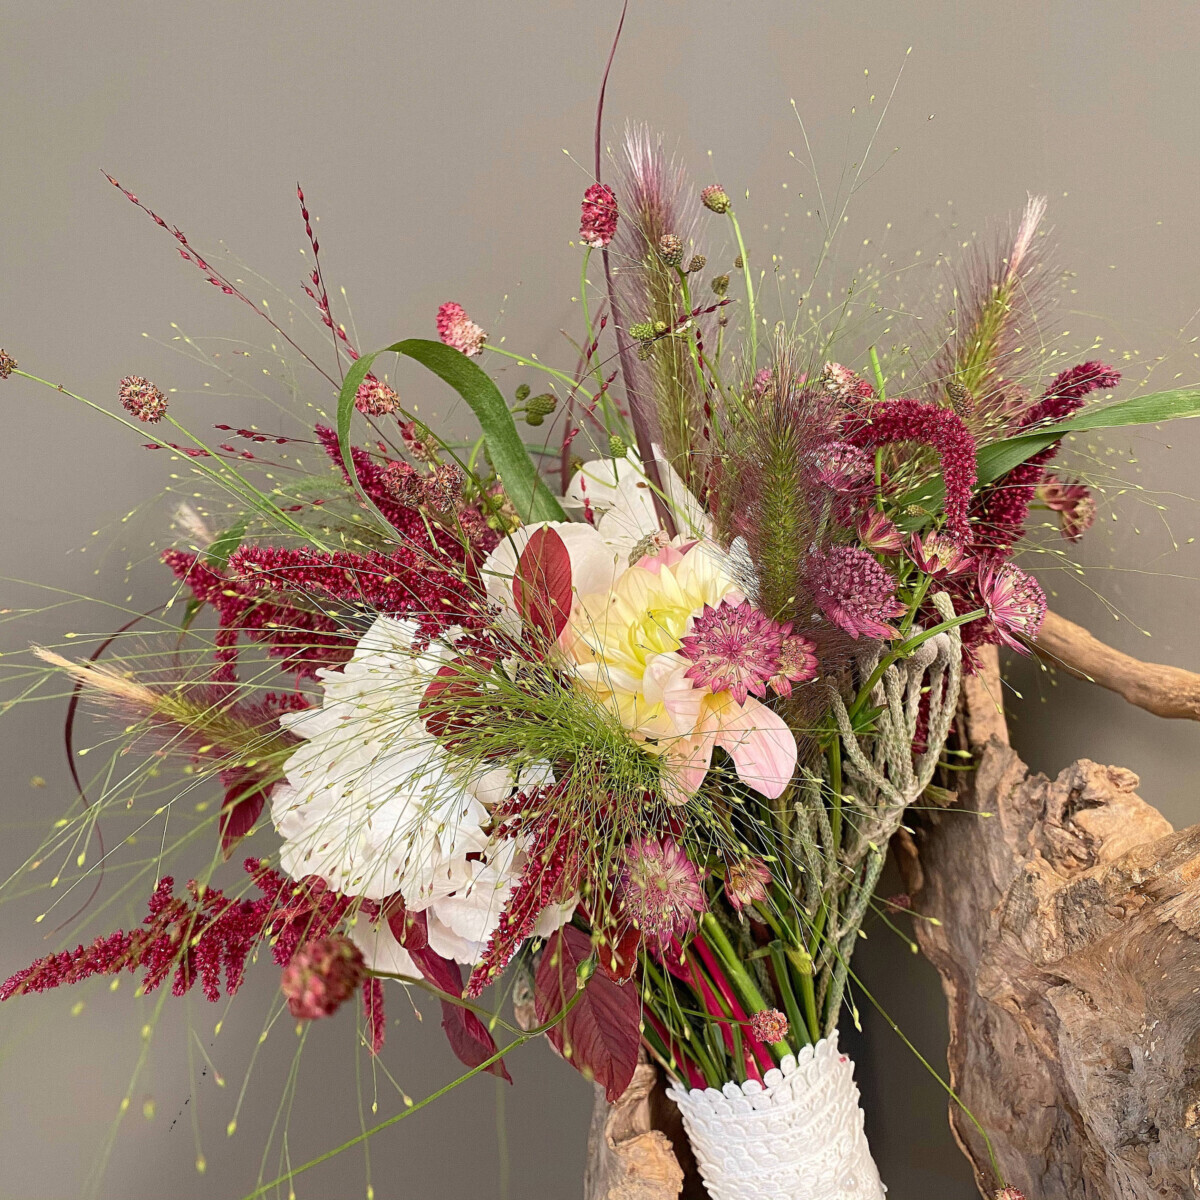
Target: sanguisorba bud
{"points": [[714, 198], [538, 408], [641, 331], [522, 392], [670, 249], [375, 399], [739, 262], [141, 398], [769, 1025], [617, 447], [322, 976], [697, 263], [719, 284], [598, 219], [8, 364]]}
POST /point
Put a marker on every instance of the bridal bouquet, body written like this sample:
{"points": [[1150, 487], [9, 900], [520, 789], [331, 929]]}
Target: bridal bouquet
{"points": [[616, 726]]}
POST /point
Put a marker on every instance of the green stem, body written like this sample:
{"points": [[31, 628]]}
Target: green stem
{"points": [[746, 988], [737, 229], [783, 977]]}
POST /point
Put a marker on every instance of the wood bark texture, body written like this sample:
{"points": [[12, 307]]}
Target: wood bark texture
{"points": [[1069, 951]]}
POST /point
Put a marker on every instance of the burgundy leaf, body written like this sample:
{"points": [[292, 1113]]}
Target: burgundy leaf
{"points": [[244, 800], [409, 929], [542, 583], [601, 1034], [466, 1033]]}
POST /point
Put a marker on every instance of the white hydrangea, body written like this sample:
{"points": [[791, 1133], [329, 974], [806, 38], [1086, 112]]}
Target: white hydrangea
{"points": [[374, 805]]}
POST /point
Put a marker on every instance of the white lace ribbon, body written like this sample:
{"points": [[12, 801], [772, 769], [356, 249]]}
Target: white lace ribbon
{"points": [[797, 1136]]}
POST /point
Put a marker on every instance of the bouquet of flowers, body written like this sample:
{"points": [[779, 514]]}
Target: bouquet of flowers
{"points": [[618, 726]]}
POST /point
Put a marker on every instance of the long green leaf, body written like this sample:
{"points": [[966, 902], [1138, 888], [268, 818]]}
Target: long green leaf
{"points": [[523, 485], [998, 458]]}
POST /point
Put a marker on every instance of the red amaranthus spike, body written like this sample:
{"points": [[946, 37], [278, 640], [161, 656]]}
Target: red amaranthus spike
{"points": [[199, 939], [550, 876]]}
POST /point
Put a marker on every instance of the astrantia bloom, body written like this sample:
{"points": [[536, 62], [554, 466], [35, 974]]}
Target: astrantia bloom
{"points": [[878, 533], [1015, 603], [322, 975], [797, 664], [843, 467], [938, 554], [854, 591], [1074, 503], [598, 220], [733, 648], [660, 890], [746, 883], [375, 399], [456, 329], [141, 398]]}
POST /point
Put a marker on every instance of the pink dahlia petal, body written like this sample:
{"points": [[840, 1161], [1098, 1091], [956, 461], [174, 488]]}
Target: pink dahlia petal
{"points": [[598, 220], [1015, 603], [456, 329], [733, 648], [761, 745], [854, 591]]}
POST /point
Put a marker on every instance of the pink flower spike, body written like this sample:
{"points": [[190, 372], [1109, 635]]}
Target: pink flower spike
{"points": [[456, 329], [939, 555], [598, 219], [854, 591], [843, 383], [375, 399], [1014, 601], [797, 664], [746, 884], [733, 648], [878, 533], [141, 398], [660, 890]]}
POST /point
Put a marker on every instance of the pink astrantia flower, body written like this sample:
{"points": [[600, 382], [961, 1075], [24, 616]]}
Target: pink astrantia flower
{"points": [[938, 554], [878, 533], [598, 220], [843, 467], [797, 664], [854, 591], [746, 883], [733, 648], [769, 1025], [1014, 601], [1074, 503], [660, 890], [456, 329]]}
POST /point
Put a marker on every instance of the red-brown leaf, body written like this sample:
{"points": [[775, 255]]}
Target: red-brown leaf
{"points": [[542, 583], [601, 1033]]}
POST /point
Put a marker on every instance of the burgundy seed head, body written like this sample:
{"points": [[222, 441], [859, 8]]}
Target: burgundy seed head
{"points": [[141, 398]]}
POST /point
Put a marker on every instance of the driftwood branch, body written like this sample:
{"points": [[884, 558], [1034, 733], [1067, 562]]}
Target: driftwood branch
{"points": [[1069, 950], [1163, 690]]}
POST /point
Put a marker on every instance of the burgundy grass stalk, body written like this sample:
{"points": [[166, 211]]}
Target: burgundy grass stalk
{"points": [[637, 403]]}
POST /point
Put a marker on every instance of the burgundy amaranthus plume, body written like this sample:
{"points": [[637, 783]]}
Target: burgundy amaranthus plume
{"points": [[201, 939], [854, 591], [598, 219], [892, 421]]}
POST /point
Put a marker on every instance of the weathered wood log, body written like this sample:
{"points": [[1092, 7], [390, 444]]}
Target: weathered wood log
{"points": [[1163, 690], [1069, 950]]}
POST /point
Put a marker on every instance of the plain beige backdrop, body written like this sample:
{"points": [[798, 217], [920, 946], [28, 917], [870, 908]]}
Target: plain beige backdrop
{"points": [[429, 138]]}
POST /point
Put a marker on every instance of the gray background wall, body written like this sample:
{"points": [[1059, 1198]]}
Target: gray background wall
{"points": [[429, 138]]}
